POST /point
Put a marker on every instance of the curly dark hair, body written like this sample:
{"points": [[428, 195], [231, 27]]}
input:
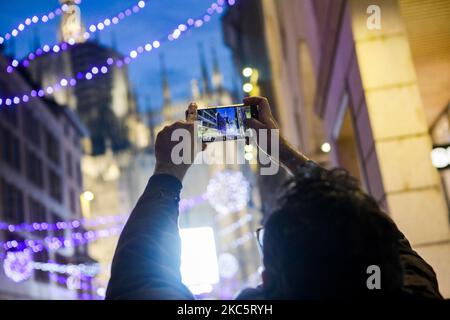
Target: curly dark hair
{"points": [[324, 235]]}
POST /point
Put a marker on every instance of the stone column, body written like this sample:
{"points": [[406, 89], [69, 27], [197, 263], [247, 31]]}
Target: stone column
{"points": [[411, 186]]}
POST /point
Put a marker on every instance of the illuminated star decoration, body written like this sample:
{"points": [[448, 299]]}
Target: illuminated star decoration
{"points": [[228, 192]]}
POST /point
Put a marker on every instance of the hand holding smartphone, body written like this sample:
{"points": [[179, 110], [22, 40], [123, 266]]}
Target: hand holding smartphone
{"points": [[222, 123]]}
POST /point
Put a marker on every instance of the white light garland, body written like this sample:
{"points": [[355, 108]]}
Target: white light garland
{"points": [[62, 46], [90, 270], [88, 75]]}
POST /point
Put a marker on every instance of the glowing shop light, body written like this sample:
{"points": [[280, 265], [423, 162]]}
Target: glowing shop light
{"points": [[440, 157], [199, 267], [247, 72], [247, 87], [88, 195], [325, 147]]}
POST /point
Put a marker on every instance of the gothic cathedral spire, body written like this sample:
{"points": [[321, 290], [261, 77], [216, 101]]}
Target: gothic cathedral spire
{"points": [[204, 70], [217, 78], [165, 81]]}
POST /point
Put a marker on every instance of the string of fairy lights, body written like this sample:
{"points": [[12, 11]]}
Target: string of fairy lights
{"points": [[93, 72], [222, 190], [185, 204], [28, 265], [55, 243], [19, 267], [62, 225], [63, 46], [226, 192]]}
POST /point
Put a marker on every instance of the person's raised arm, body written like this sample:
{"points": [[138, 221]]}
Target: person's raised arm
{"points": [[146, 263]]}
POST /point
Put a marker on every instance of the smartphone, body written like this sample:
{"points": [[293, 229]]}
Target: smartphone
{"points": [[224, 123]]}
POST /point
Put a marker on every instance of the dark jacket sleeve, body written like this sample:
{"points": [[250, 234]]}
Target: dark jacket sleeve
{"points": [[419, 277], [146, 263]]}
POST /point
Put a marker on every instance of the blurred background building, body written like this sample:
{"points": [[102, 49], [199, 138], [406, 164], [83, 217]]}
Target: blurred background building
{"points": [[118, 141], [40, 180]]}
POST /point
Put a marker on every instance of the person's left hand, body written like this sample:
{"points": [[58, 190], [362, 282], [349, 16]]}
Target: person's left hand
{"points": [[165, 162]]}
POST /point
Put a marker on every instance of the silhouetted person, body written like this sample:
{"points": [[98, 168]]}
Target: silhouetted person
{"points": [[327, 240]]}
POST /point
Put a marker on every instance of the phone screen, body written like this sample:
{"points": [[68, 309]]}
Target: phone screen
{"points": [[223, 123]]}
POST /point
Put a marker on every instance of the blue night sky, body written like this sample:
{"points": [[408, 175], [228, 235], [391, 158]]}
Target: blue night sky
{"points": [[158, 18]]}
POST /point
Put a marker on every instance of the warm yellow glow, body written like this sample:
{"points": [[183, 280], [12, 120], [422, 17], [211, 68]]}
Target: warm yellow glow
{"points": [[248, 148], [247, 72], [247, 87], [248, 156], [88, 195], [325, 147]]}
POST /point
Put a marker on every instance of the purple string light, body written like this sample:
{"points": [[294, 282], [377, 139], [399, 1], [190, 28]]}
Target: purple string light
{"points": [[84, 287], [34, 20], [94, 71], [55, 243], [186, 204], [62, 225], [63, 46], [19, 266], [66, 281], [77, 238]]}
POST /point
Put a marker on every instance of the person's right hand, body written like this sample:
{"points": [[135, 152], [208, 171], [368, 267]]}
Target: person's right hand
{"points": [[288, 155], [265, 118], [164, 146], [265, 121]]}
